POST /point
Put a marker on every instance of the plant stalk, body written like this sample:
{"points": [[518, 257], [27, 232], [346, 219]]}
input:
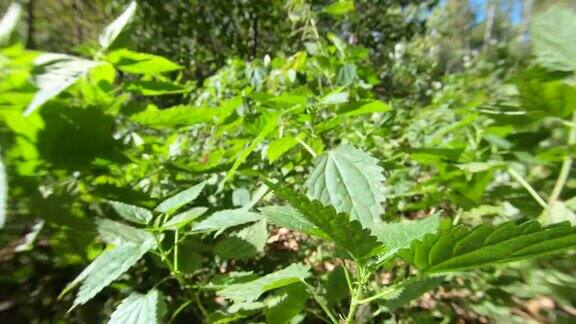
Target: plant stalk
{"points": [[356, 295], [322, 303], [176, 250], [566, 166], [379, 295], [181, 281], [528, 187]]}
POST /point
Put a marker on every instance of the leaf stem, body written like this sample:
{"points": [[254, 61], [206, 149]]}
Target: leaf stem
{"points": [[566, 165], [307, 147], [348, 279], [179, 310], [379, 295], [321, 302], [260, 193], [528, 187], [356, 295], [176, 250], [181, 281]]}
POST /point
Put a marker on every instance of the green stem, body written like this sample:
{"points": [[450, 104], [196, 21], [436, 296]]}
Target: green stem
{"points": [[379, 295], [176, 250], [318, 315], [528, 187], [307, 147], [260, 193], [200, 305], [566, 166], [348, 279], [161, 281], [179, 310], [356, 295], [180, 278], [321, 302]]}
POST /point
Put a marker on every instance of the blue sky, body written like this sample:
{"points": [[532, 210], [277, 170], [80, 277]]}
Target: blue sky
{"points": [[479, 7]]}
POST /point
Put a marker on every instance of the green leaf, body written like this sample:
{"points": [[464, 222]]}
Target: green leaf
{"points": [[456, 248], [190, 261], [244, 243], [271, 125], [154, 87], [224, 219], [571, 203], [111, 32], [351, 181], [339, 43], [558, 212], [339, 7], [3, 194], [544, 94], [375, 106], [106, 268], [132, 213], [434, 155], [55, 73], [286, 304], [131, 244], [117, 233], [185, 115], [553, 38], [252, 290], [348, 235], [398, 236], [140, 63], [286, 100], [358, 108], [180, 220], [476, 167], [180, 199], [27, 243], [240, 197], [279, 147], [335, 98], [290, 218], [409, 291], [336, 286], [9, 22], [346, 74], [139, 308]]}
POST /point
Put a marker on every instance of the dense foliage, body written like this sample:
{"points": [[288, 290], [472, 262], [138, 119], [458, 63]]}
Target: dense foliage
{"points": [[298, 161]]}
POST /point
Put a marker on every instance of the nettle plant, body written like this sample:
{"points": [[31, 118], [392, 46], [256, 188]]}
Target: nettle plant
{"points": [[342, 209], [338, 208]]}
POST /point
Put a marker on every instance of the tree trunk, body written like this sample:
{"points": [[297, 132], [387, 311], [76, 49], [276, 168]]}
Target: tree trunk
{"points": [[525, 22], [490, 15], [30, 24]]}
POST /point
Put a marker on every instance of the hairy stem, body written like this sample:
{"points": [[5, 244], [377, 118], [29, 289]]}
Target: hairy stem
{"points": [[356, 294]]}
